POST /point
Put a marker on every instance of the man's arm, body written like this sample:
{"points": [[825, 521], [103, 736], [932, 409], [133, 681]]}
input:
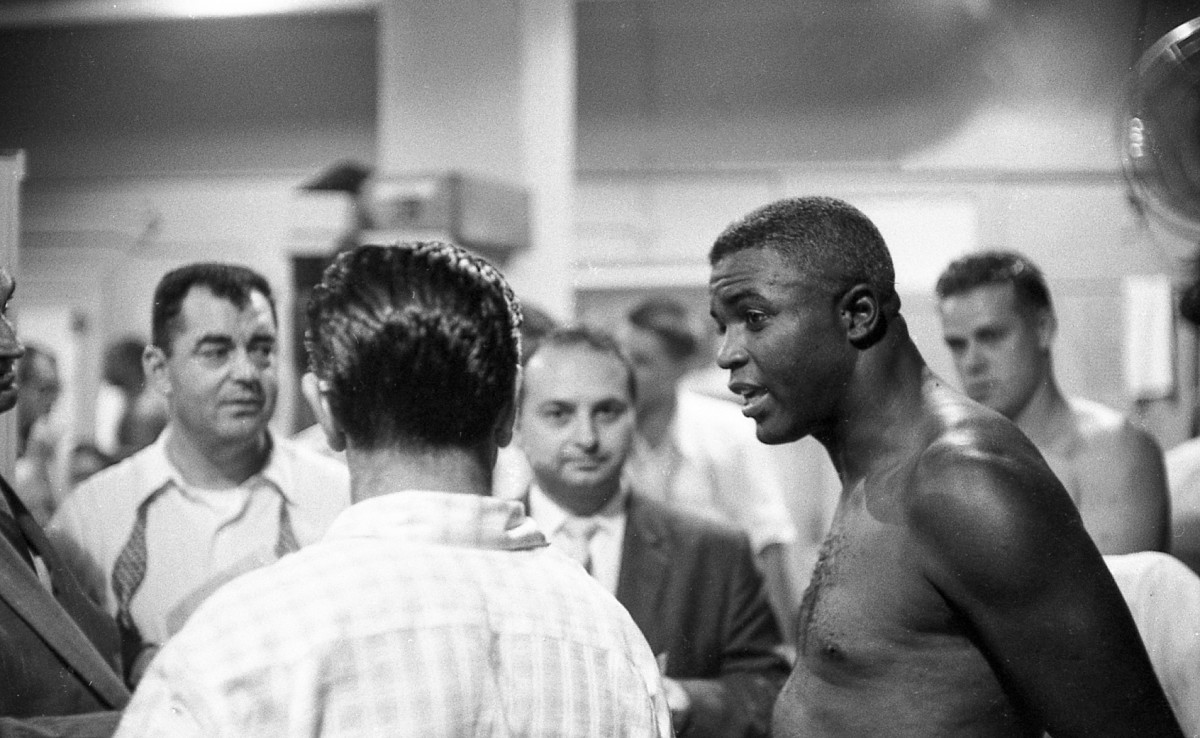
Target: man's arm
{"points": [[739, 700], [1125, 502], [1002, 541]]}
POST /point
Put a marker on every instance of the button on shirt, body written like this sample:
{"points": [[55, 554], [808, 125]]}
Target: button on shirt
{"points": [[196, 538], [605, 547], [420, 614]]}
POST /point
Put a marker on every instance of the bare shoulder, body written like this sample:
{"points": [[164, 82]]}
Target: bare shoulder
{"points": [[1105, 430], [984, 508]]}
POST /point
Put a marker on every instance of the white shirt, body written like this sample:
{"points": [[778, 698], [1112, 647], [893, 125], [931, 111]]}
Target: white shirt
{"points": [[714, 465], [421, 613], [195, 538], [1164, 597], [606, 544]]}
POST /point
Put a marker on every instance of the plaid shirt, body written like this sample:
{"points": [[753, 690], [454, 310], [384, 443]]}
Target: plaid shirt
{"points": [[419, 614]]}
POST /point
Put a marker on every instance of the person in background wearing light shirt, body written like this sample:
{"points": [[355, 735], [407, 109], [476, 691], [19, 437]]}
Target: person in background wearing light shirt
{"points": [[430, 608], [217, 494], [689, 582], [999, 324]]}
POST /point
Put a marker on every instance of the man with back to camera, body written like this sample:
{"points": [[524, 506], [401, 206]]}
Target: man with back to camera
{"points": [[430, 608], [958, 593], [698, 452], [689, 582], [999, 324], [59, 653], [217, 494]]}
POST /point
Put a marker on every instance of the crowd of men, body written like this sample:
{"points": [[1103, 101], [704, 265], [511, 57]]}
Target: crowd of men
{"points": [[996, 564]]}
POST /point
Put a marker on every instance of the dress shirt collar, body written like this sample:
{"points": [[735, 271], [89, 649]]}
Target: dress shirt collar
{"points": [[441, 517], [160, 472], [551, 516]]}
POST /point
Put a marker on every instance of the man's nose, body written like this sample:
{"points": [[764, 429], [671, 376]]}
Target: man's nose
{"points": [[244, 367], [584, 432], [731, 352], [972, 359]]}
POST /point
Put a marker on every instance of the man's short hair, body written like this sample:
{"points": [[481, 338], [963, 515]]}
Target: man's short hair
{"points": [[825, 239], [997, 267], [231, 282], [418, 343], [668, 320], [595, 339]]}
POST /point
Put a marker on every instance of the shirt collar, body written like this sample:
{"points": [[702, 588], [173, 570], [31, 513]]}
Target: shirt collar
{"points": [[551, 516], [441, 517], [160, 472]]}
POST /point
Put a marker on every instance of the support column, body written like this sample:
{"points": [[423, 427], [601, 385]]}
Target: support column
{"points": [[487, 87]]}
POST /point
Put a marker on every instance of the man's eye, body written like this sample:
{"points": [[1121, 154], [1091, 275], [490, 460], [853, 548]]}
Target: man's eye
{"points": [[755, 319], [213, 353]]}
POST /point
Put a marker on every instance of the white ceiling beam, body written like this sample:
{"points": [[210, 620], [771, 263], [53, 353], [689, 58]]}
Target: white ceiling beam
{"points": [[48, 13]]}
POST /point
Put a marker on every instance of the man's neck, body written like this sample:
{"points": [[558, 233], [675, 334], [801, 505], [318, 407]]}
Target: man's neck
{"points": [[581, 502], [874, 421], [1046, 418], [375, 472], [216, 465]]}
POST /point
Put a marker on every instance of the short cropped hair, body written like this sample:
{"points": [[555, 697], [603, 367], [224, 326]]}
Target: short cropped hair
{"points": [[231, 282], [595, 339], [997, 267], [823, 238], [667, 319], [418, 344]]}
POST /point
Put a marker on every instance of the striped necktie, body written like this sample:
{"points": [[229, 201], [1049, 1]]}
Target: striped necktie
{"points": [[129, 570], [575, 537]]}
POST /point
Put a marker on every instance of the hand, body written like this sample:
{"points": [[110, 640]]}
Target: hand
{"points": [[679, 702]]}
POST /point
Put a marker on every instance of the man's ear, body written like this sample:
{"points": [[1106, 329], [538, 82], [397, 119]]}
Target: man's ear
{"points": [[318, 400], [1046, 324], [862, 315], [506, 426], [154, 366]]}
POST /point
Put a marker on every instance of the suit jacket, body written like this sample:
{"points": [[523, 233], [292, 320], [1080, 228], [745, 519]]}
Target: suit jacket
{"points": [[58, 651], [692, 587]]}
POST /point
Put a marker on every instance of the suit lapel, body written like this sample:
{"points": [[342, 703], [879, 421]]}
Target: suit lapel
{"points": [[21, 589], [645, 558]]}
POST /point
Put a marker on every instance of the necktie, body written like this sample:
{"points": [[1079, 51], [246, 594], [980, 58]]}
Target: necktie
{"points": [[129, 570], [575, 536]]}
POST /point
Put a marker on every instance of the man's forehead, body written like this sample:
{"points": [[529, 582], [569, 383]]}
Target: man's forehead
{"points": [[204, 312], [573, 372]]}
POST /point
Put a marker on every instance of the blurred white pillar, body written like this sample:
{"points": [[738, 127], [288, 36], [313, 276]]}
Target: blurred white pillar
{"points": [[488, 88]]}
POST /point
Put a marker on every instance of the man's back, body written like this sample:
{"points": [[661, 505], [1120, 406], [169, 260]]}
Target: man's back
{"points": [[927, 614], [423, 614]]}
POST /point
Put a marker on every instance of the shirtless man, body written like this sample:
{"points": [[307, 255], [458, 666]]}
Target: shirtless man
{"points": [[999, 323], [958, 593]]}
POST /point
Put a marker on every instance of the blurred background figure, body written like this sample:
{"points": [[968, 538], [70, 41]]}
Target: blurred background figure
{"points": [[1183, 462], [38, 388], [128, 417], [700, 453], [511, 476], [86, 459]]}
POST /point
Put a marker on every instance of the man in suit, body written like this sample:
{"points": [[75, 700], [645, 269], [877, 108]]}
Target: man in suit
{"points": [[58, 651], [690, 583]]}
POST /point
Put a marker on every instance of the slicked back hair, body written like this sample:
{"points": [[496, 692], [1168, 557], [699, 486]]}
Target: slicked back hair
{"points": [[583, 336], [417, 343], [997, 267], [667, 319], [231, 282], [826, 240]]}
